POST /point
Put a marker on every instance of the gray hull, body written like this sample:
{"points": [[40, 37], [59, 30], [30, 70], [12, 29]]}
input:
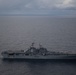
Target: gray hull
{"points": [[41, 57]]}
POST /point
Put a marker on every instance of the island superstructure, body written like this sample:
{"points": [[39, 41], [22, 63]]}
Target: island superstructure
{"points": [[36, 53]]}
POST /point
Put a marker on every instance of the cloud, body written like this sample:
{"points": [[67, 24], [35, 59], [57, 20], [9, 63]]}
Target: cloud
{"points": [[21, 6], [38, 4], [52, 4], [43, 4], [67, 4]]}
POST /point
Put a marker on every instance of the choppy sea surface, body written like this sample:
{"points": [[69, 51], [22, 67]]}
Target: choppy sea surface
{"points": [[56, 34]]}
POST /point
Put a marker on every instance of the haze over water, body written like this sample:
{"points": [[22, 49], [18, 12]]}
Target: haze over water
{"points": [[56, 34], [18, 32]]}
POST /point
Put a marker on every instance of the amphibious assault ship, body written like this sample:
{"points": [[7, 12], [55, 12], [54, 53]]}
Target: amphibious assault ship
{"points": [[36, 53]]}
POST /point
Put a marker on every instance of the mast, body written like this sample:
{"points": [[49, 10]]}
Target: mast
{"points": [[32, 48], [40, 46], [32, 45]]}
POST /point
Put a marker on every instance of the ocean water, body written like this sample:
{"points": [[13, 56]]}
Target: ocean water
{"points": [[56, 34]]}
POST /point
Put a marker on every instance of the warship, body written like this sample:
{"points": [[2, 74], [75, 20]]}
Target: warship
{"points": [[36, 53]]}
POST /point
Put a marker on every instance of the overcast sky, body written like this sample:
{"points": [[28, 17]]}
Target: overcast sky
{"points": [[49, 7]]}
